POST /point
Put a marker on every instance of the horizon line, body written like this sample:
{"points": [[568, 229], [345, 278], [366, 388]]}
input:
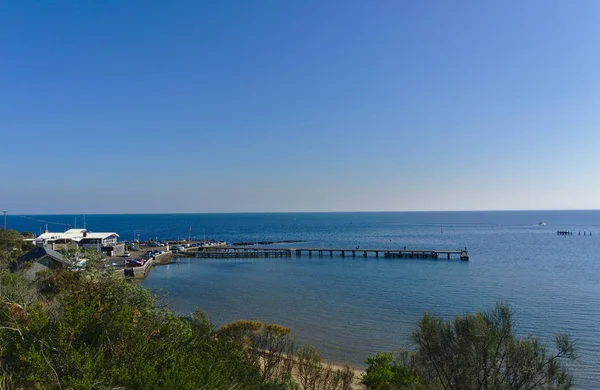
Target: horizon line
{"points": [[308, 212]]}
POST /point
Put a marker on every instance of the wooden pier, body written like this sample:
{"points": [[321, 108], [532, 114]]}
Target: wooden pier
{"points": [[239, 253], [462, 254], [244, 252]]}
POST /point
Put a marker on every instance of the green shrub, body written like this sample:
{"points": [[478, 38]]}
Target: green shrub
{"points": [[384, 373], [101, 332]]}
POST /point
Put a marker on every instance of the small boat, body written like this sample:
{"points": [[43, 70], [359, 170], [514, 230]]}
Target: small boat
{"points": [[542, 224]]}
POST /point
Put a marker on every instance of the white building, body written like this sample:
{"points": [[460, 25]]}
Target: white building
{"points": [[106, 243], [68, 237], [98, 240]]}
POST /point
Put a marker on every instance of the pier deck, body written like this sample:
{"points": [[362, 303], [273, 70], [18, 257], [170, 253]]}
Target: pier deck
{"points": [[243, 252]]}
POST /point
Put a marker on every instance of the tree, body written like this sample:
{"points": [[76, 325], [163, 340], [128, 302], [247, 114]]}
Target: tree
{"points": [[310, 367], [481, 351], [12, 246], [270, 346], [386, 373]]}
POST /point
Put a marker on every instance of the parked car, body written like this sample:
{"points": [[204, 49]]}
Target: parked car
{"points": [[134, 263], [126, 254], [178, 248]]}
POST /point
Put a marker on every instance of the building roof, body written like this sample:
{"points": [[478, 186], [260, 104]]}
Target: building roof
{"points": [[75, 231], [100, 235], [74, 235], [71, 234], [40, 252], [32, 271]]}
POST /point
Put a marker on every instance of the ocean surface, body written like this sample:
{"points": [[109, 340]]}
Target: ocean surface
{"points": [[351, 308]]}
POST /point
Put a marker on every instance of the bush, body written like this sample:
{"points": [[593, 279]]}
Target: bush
{"points": [[101, 332], [269, 346], [481, 351], [384, 373], [12, 246], [310, 367]]}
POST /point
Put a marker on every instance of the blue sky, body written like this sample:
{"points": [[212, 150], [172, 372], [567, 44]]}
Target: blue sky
{"points": [[230, 106]]}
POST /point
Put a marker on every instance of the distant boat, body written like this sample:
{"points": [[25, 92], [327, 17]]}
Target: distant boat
{"points": [[542, 224]]}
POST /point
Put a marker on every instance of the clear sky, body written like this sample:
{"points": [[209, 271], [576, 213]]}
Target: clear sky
{"points": [[227, 106]]}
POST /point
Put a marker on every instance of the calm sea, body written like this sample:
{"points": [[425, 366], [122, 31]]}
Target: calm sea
{"points": [[353, 307]]}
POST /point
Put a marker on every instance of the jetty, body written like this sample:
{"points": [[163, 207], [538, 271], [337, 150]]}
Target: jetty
{"points": [[254, 252], [238, 252], [564, 233]]}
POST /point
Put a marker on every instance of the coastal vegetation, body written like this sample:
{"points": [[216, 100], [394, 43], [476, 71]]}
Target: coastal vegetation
{"points": [[85, 330], [88, 329], [12, 246], [474, 351]]}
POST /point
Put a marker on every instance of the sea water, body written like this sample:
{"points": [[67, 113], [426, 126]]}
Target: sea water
{"points": [[352, 307]]}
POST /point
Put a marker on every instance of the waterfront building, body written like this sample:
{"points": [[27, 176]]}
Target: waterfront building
{"points": [[104, 242]]}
